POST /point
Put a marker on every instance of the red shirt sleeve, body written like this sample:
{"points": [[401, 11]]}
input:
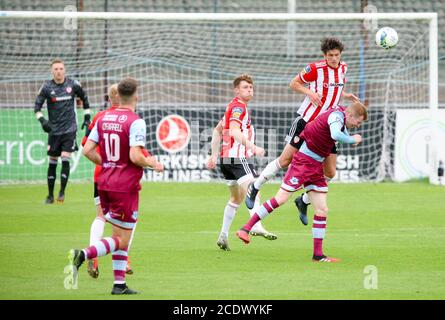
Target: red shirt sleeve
{"points": [[309, 73], [237, 113]]}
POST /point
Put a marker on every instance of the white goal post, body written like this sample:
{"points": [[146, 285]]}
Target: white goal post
{"points": [[200, 45]]}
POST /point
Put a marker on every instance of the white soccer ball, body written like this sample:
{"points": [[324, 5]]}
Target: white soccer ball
{"points": [[386, 38]]}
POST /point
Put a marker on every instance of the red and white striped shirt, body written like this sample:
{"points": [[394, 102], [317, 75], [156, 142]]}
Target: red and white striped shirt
{"points": [[237, 111], [325, 80]]}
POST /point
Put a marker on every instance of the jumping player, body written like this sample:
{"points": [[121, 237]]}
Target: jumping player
{"points": [[325, 80]]}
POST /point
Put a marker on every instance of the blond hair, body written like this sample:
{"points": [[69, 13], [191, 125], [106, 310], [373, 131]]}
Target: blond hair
{"points": [[56, 60], [113, 94], [358, 109]]}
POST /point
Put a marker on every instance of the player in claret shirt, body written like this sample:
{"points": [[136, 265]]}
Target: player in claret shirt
{"points": [[98, 225], [306, 170], [120, 135]]}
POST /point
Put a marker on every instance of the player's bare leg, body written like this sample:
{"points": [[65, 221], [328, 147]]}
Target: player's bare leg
{"points": [[263, 211], [64, 174], [269, 172], [303, 201], [319, 201]]}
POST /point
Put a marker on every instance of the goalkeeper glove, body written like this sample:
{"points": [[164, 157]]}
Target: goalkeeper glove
{"points": [[45, 124], [86, 121]]}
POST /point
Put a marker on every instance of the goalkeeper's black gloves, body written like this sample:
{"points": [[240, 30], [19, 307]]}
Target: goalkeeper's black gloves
{"points": [[86, 121], [46, 126]]}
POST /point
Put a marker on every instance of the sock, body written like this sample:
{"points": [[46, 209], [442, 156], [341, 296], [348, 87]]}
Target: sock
{"points": [[51, 176], [318, 233], [255, 208], [269, 172], [64, 173], [119, 265], [263, 211], [305, 198], [229, 214], [97, 230], [102, 248]]}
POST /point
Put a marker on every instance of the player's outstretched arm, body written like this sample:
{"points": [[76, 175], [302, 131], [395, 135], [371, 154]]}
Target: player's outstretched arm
{"points": [[335, 125], [216, 140]]}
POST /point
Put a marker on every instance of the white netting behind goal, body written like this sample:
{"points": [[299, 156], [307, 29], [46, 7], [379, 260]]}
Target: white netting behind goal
{"points": [[186, 68]]}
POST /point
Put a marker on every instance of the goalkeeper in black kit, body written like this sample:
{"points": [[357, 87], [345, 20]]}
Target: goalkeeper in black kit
{"points": [[60, 95]]}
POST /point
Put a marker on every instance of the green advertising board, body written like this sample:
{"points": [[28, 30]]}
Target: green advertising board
{"points": [[23, 146]]}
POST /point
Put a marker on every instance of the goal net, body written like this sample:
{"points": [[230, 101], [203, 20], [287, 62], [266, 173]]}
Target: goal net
{"points": [[185, 64]]}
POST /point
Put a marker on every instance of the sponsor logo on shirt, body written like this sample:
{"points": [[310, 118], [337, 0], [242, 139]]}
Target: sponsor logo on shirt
{"points": [[333, 85], [122, 118], [109, 117]]}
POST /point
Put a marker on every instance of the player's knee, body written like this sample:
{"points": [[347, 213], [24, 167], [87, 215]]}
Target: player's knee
{"points": [[282, 197], [321, 211], [123, 243], [235, 199]]}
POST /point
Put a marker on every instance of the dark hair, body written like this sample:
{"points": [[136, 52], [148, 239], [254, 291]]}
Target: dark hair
{"points": [[127, 87], [331, 44], [243, 77], [56, 60]]}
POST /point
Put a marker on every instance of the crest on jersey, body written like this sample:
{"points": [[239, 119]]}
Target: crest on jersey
{"points": [[69, 89], [173, 133], [122, 118], [306, 70], [294, 180], [236, 112]]}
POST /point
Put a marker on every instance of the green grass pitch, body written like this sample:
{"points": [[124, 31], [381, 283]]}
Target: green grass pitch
{"points": [[398, 228]]}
